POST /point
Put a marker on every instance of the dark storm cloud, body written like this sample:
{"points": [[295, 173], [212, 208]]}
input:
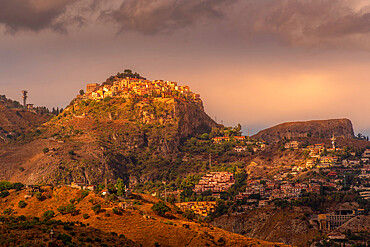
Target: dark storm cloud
{"points": [[33, 15], [313, 23], [310, 22], [304, 23], [155, 16]]}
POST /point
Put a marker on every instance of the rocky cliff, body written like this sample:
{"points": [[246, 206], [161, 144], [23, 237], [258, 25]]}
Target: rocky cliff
{"points": [[315, 128]]}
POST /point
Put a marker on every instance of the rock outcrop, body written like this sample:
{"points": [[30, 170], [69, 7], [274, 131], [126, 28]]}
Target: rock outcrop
{"points": [[315, 128]]}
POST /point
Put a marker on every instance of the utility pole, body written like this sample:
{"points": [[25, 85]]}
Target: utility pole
{"points": [[165, 191], [51, 234], [24, 92]]}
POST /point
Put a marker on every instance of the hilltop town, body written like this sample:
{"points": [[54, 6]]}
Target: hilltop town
{"points": [[130, 87]]}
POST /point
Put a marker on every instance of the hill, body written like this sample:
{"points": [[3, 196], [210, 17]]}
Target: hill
{"points": [[138, 222], [111, 131], [15, 120], [315, 128]]}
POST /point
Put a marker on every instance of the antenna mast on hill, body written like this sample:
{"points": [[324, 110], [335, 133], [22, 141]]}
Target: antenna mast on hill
{"points": [[333, 139], [24, 92]]}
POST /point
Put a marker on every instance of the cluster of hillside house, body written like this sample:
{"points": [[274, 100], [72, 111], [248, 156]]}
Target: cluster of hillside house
{"points": [[272, 189], [82, 185], [216, 182], [140, 88], [199, 208], [241, 143]]}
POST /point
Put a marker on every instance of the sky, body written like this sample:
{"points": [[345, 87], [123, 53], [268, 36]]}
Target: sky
{"points": [[254, 62]]}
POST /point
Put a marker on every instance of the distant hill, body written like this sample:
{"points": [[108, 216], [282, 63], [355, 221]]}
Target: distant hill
{"points": [[315, 128], [15, 120]]}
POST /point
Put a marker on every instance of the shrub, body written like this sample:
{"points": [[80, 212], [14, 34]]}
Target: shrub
{"points": [[72, 200], [48, 214], [8, 211], [85, 216], [189, 214], [65, 238], [45, 150], [22, 218], [115, 211], [4, 193], [62, 209], [71, 152], [97, 208], [39, 196], [69, 209], [67, 227], [5, 185], [160, 208], [22, 204], [84, 193]]}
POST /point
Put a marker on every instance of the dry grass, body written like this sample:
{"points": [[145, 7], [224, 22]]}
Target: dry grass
{"points": [[146, 230]]}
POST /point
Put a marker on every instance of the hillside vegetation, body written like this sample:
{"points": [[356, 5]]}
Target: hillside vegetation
{"points": [[107, 222], [16, 121]]}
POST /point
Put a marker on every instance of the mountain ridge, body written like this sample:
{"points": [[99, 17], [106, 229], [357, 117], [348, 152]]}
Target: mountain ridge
{"points": [[313, 128]]}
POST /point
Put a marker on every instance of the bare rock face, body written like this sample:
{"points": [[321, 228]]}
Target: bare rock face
{"points": [[192, 119], [315, 128]]}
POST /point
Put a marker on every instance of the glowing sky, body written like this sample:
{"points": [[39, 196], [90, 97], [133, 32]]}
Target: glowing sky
{"points": [[254, 62]]}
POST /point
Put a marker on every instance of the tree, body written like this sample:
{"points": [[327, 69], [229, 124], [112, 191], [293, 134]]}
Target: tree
{"points": [[204, 136], [22, 204], [5, 185], [18, 186], [48, 214], [39, 196], [189, 214], [160, 208], [84, 193], [4, 193], [82, 92], [120, 187]]}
